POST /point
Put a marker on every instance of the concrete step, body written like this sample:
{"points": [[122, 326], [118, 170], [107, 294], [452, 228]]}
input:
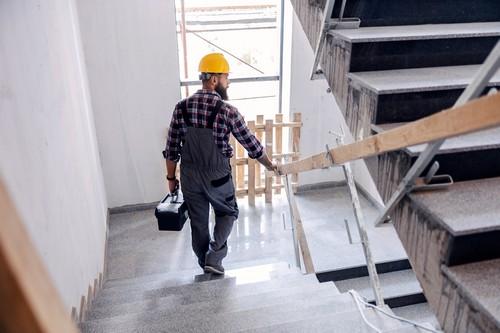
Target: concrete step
{"points": [[417, 46], [182, 312], [399, 288], [190, 273], [197, 292], [470, 213], [417, 32], [242, 275], [468, 157], [351, 322], [394, 96], [457, 225], [231, 302], [227, 322], [419, 313], [387, 12], [472, 300], [401, 81], [323, 213]]}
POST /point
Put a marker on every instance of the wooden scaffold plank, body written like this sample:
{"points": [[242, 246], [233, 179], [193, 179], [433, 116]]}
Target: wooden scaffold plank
{"points": [[269, 150], [251, 172], [479, 114]]}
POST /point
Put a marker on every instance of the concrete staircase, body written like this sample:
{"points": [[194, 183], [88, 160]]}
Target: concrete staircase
{"points": [[410, 59], [285, 301]]}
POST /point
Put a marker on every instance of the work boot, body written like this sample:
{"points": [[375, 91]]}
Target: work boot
{"points": [[215, 269]]}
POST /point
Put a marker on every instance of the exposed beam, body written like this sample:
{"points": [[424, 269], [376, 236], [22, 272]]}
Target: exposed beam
{"points": [[479, 114]]}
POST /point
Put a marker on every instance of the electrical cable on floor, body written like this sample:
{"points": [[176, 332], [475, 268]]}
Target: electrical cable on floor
{"points": [[357, 299]]}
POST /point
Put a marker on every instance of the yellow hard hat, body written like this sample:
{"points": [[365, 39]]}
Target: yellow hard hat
{"points": [[213, 63]]}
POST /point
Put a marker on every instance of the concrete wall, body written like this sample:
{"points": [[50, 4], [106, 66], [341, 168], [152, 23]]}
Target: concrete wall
{"points": [[131, 54], [48, 148], [320, 111]]}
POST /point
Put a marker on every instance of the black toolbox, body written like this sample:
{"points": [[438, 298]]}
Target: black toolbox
{"points": [[172, 212]]}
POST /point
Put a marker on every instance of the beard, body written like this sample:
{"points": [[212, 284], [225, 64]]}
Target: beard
{"points": [[222, 92]]}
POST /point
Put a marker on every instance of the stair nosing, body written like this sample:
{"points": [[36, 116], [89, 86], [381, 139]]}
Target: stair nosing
{"points": [[387, 33], [358, 79]]}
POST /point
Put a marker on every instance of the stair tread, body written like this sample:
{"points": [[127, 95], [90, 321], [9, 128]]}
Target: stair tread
{"points": [[220, 306], [416, 32], [338, 323], [230, 266], [216, 288], [420, 31], [464, 208], [478, 282], [242, 275], [176, 303], [229, 321], [323, 213], [419, 79], [392, 284], [485, 139]]}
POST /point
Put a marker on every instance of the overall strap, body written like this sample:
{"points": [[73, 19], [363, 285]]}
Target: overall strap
{"points": [[211, 119], [183, 107]]}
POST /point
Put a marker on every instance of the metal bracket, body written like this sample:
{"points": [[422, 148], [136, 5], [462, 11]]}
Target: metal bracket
{"points": [[327, 14], [327, 24], [431, 181]]}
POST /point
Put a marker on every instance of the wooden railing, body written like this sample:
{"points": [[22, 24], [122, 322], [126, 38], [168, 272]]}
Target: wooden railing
{"points": [[29, 301], [248, 175]]}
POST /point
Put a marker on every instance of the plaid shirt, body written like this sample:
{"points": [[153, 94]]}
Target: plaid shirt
{"points": [[228, 121]]}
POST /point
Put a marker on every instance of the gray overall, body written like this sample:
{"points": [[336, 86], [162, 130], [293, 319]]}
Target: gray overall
{"points": [[206, 179]]}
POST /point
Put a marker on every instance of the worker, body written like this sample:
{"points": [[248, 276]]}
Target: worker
{"points": [[199, 137]]}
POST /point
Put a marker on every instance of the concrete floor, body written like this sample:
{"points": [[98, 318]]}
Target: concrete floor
{"points": [[137, 248]]}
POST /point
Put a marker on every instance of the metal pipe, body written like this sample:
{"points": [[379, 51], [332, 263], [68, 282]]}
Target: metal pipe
{"points": [[282, 26], [236, 80], [372, 270], [184, 43]]}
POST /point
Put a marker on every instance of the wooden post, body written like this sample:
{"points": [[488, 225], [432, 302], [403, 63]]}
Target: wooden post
{"points": [[297, 117], [232, 142], [279, 144], [240, 173], [29, 302], [269, 150], [251, 172], [258, 169]]}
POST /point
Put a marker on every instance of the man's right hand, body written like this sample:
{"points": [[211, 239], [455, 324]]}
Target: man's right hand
{"points": [[173, 185]]}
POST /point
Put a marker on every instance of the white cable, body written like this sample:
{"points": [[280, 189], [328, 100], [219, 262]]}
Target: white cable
{"points": [[352, 292], [358, 298]]}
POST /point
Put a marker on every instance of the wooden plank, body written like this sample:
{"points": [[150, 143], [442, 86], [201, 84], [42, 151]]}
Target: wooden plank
{"points": [[298, 227], [258, 169], [291, 124], [232, 161], [479, 114], [297, 117], [278, 118], [244, 160], [29, 300], [259, 190], [269, 151], [251, 172]]}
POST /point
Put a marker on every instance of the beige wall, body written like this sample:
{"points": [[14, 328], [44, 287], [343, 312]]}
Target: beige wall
{"points": [[48, 147], [131, 54]]}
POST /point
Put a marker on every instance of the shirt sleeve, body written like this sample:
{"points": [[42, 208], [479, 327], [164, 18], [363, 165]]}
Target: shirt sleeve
{"points": [[173, 146], [241, 132]]}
